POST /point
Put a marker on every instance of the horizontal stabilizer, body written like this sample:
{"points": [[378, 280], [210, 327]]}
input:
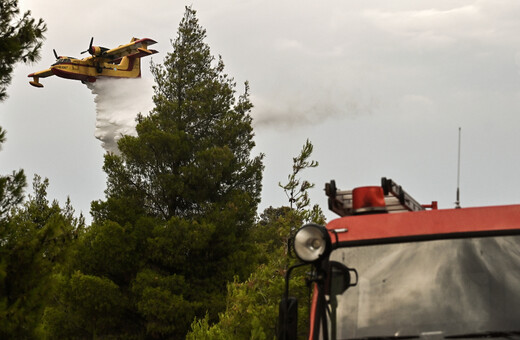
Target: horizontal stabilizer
{"points": [[144, 50], [138, 54], [142, 53]]}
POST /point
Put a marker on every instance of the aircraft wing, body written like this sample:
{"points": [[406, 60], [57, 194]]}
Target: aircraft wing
{"points": [[136, 48], [40, 74]]}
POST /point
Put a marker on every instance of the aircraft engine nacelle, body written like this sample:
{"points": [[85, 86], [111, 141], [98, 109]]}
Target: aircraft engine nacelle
{"points": [[97, 50]]}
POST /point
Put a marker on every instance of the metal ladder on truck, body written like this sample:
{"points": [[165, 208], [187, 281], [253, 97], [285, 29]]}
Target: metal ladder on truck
{"points": [[395, 200]]}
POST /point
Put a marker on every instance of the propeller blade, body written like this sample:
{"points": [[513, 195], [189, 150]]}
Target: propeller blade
{"points": [[89, 46], [55, 54]]}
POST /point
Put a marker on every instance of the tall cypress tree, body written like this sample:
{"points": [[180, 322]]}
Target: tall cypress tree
{"points": [[182, 194]]}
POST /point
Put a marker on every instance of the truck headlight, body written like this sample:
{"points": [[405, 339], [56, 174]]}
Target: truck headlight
{"points": [[311, 242]]}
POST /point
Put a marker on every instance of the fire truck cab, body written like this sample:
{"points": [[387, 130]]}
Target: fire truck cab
{"points": [[391, 268]]}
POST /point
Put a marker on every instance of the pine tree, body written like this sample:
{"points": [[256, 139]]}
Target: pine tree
{"points": [[193, 151], [296, 190], [11, 188], [20, 40], [34, 242], [181, 200]]}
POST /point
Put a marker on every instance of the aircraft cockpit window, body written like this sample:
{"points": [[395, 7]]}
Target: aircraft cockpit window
{"points": [[61, 61]]}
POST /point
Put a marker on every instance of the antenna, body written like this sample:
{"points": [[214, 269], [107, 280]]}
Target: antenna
{"points": [[457, 202]]}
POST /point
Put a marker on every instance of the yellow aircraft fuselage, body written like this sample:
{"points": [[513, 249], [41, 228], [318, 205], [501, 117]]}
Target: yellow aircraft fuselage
{"points": [[88, 70]]}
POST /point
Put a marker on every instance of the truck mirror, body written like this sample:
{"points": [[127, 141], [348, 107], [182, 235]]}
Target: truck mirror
{"points": [[339, 278], [288, 319]]}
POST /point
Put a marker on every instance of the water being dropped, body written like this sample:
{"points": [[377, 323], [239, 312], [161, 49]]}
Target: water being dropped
{"points": [[118, 102]]}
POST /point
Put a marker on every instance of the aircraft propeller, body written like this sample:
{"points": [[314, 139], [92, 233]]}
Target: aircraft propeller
{"points": [[89, 47], [55, 54]]}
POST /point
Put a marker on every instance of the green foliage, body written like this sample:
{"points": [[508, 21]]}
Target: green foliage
{"points": [[35, 240], [252, 305], [118, 247], [296, 189], [90, 307], [162, 304], [11, 192], [21, 38], [11, 188], [105, 260]]}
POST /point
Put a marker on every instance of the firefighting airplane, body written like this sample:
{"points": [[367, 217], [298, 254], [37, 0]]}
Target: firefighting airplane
{"points": [[120, 62]]}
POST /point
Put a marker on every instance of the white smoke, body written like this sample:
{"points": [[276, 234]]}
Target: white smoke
{"points": [[118, 101], [294, 109]]}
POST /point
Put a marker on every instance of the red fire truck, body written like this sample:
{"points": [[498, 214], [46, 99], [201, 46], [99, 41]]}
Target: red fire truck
{"points": [[391, 268]]}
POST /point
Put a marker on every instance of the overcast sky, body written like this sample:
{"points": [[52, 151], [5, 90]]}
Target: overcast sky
{"points": [[379, 87]]}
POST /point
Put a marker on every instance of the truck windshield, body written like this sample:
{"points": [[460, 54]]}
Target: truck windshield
{"points": [[457, 288]]}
